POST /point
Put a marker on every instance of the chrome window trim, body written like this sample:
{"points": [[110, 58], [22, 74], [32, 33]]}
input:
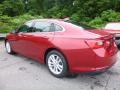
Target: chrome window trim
{"points": [[63, 29], [38, 20]]}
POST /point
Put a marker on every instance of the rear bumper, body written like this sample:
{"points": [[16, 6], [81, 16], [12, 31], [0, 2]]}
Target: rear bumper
{"points": [[92, 70], [100, 64], [88, 60]]}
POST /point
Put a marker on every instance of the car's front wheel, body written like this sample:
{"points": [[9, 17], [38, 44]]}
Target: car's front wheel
{"points": [[8, 48], [57, 64]]}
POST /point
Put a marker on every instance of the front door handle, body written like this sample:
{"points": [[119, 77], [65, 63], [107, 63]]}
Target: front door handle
{"points": [[24, 36], [20, 34]]}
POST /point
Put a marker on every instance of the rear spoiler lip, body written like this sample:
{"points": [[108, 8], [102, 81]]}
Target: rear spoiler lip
{"points": [[102, 38]]}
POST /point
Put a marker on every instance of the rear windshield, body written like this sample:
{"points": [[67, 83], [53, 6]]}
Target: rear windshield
{"points": [[81, 25]]}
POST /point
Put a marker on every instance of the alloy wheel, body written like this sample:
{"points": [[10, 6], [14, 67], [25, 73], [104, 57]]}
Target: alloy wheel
{"points": [[55, 64]]}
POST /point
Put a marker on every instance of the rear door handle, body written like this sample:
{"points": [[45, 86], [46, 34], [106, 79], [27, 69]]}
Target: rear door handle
{"points": [[44, 36]]}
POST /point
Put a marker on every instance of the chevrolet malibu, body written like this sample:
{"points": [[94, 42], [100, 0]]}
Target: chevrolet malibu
{"points": [[66, 47]]}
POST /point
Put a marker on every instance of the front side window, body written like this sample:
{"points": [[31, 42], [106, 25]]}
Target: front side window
{"points": [[42, 27], [27, 27], [23, 28]]}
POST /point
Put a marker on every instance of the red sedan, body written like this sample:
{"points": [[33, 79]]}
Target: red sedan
{"points": [[64, 46]]}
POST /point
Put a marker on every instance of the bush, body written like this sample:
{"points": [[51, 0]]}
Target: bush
{"points": [[4, 28], [75, 17], [97, 22], [110, 16], [105, 17], [8, 23]]}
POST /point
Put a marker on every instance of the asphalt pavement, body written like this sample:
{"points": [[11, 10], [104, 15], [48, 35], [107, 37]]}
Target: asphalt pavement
{"points": [[21, 73]]}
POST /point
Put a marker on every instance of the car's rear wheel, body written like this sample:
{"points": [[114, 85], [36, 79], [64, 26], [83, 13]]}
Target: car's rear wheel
{"points": [[8, 48], [57, 64]]}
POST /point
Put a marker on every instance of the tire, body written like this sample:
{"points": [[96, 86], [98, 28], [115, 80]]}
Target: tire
{"points": [[57, 64], [72, 75], [8, 48]]}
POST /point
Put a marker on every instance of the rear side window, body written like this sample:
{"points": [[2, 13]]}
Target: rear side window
{"points": [[42, 27], [58, 28]]}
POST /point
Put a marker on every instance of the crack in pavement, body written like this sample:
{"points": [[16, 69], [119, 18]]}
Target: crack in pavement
{"points": [[107, 82]]}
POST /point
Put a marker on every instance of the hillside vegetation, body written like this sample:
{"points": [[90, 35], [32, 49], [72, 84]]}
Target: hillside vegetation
{"points": [[93, 12]]}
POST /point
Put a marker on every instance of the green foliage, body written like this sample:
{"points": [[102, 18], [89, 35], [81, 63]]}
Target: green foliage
{"points": [[9, 23], [97, 22], [104, 17], [75, 17], [93, 12], [11, 8], [110, 16], [65, 8], [4, 28]]}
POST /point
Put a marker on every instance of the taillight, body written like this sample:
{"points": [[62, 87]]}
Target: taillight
{"points": [[100, 43], [107, 44], [95, 43]]}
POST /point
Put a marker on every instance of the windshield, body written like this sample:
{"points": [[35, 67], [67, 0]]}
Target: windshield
{"points": [[84, 26]]}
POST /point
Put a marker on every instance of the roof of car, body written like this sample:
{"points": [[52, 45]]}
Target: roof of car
{"points": [[53, 20]]}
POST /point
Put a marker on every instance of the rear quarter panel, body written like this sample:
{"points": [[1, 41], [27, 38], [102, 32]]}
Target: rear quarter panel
{"points": [[75, 50]]}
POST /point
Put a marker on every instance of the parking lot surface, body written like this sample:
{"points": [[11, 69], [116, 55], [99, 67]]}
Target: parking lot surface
{"points": [[21, 73]]}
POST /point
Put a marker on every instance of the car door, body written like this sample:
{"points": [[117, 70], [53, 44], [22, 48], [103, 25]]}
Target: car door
{"points": [[19, 39], [39, 40]]}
